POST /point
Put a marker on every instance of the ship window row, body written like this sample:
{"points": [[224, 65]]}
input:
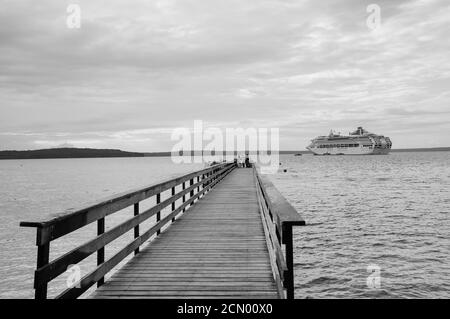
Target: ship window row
{"points": [[337, 145]]}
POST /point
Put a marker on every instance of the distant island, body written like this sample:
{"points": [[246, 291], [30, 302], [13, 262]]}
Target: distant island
{"points": [[99, 153], [66, 153], [394, 150], [430, 149]]}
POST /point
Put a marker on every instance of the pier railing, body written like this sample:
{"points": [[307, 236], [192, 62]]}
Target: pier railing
{"points": [[200, 182], [278, 219]]}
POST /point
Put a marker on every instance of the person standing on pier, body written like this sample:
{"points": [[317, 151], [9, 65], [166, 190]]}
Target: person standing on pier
{"points": [[247, 161]]}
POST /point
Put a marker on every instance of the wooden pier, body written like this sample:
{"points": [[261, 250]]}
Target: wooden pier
{"points": [[230, 236]]}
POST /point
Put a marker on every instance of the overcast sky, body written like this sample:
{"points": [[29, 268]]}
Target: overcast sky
{"points": [[136, 70]]}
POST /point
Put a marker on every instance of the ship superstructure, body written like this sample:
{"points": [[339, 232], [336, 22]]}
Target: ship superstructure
{"points": [[359, 142]]}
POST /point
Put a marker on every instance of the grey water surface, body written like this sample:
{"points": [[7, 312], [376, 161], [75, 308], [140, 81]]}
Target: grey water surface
{"points": [[389, 213]]}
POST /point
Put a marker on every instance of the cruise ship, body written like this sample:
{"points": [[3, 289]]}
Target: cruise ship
{"points": [[359, 142]]}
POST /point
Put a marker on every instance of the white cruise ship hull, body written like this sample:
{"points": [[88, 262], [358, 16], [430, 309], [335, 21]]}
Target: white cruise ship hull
{"points": [[349, 151], [359, 142]]}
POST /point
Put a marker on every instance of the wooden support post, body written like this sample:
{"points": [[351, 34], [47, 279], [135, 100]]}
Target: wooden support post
{"points": [[43, 254], [289, 280], [184, 196], [198, 187], [207, 176], [136, 228], [101, 251], [173, 204], [158, 214], [191, 182]]}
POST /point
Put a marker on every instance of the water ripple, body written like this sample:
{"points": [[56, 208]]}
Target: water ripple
{"points": [[388, 211]]}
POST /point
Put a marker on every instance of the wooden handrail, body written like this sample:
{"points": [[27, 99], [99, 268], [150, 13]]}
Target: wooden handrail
{"points": [[61, 225], [76, 218], [278, 219]]}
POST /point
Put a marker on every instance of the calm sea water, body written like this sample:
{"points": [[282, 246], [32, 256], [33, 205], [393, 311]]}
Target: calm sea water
{"points": [[33, 188], [389, 212]]}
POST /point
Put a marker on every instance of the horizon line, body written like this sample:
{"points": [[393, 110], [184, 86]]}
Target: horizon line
{"points": [[197, 151]]}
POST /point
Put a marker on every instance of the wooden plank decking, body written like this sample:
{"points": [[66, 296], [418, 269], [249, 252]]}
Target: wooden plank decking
{"points": [[235, 242], [217, 249]]}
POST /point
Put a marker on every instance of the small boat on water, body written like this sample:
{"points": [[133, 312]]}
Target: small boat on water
{"points": [[359, 142]]}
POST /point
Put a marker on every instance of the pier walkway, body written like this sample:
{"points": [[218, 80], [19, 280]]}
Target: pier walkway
{"points": [[231, 239], [216, 249]]}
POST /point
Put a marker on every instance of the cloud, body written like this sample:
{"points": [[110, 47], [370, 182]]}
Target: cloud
{"points": [[136, 70]]}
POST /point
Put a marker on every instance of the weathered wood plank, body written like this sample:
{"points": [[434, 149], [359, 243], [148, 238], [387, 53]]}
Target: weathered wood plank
{"points": [[86, 282], [188, 294], [217, 249]]}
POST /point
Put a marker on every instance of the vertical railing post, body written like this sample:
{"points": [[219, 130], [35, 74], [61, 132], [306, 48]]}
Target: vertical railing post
{"points": [[173, 204], [184, 196], [136, 228], [191, 182], [158, 214], [101, 251], [43, 254], [289, 280], [198, 181]]}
